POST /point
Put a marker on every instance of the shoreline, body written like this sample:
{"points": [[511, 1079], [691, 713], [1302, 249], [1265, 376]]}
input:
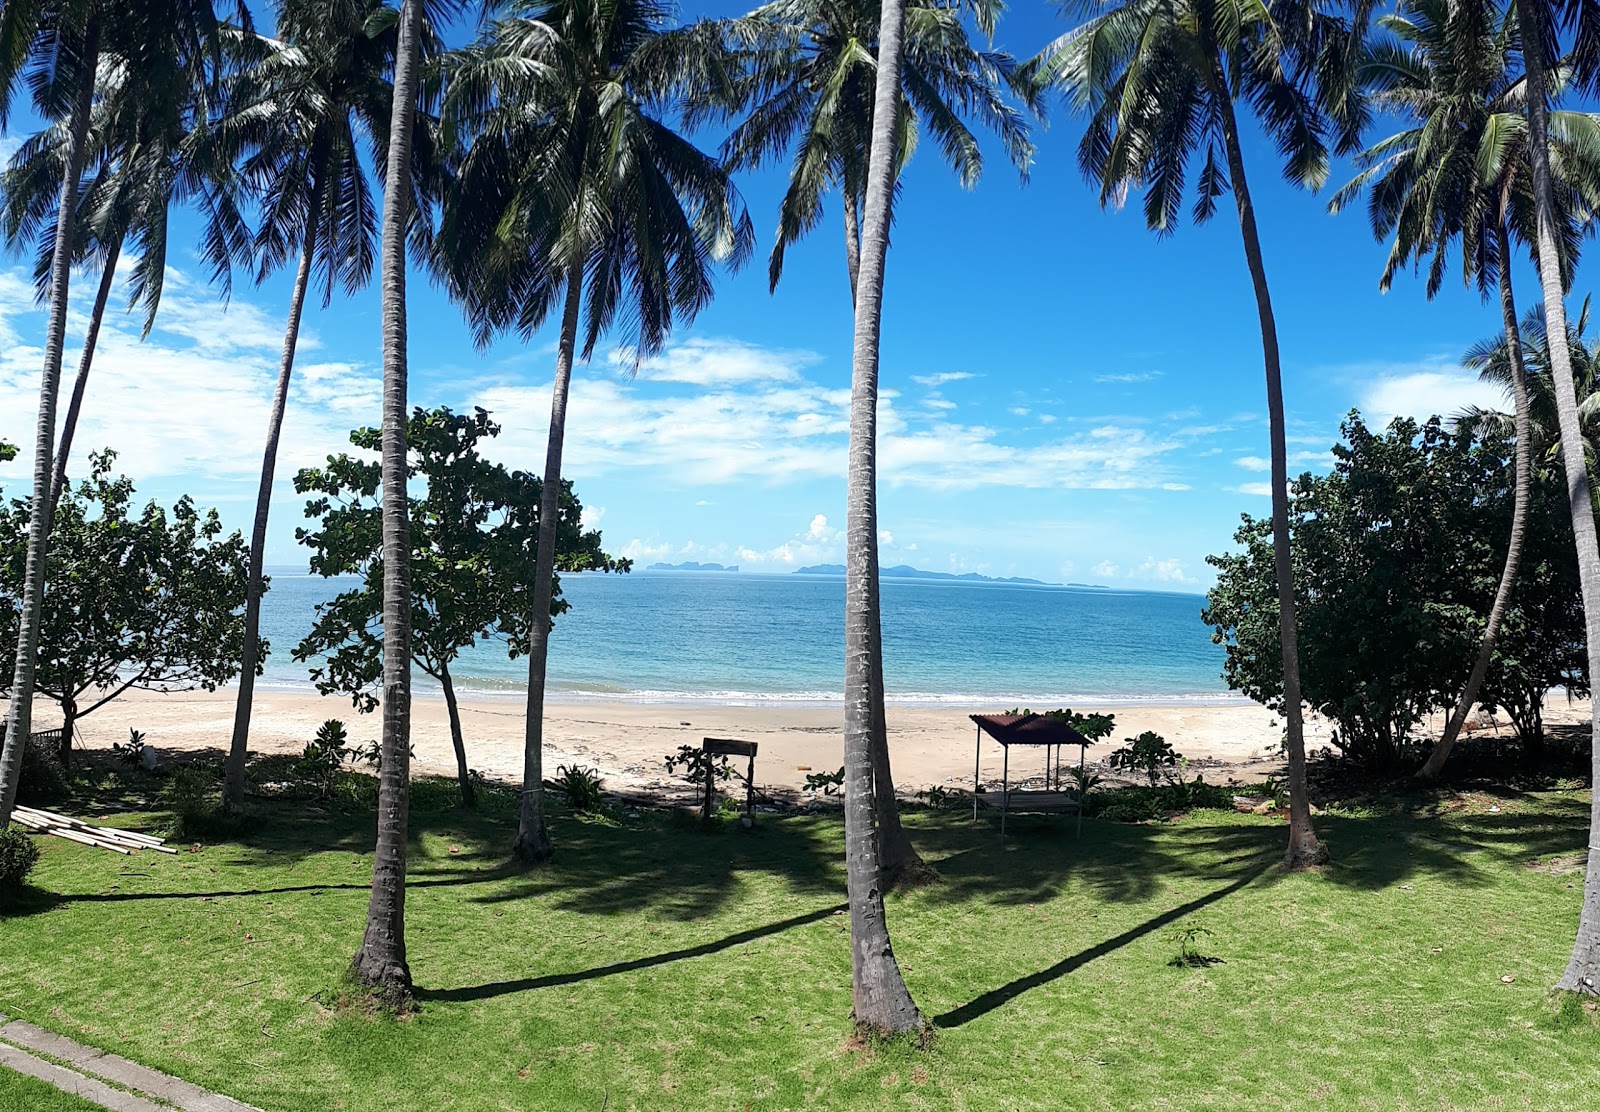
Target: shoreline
{"points": [[627, 742]]}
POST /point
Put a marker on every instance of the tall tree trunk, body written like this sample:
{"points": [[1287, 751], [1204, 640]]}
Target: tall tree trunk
{"points": [[882, 1001], [91, 338], [1583, 968], [469, 795], [1304, 850], [239, 748], [533, 839], [19, 713], [69, 723], [899, 859], [381, 961], [1523, 471]]}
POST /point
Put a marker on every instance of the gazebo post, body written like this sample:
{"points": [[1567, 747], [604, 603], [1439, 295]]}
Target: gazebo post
{"points": [[1005, 787], [1083, 796], [977, 760]]}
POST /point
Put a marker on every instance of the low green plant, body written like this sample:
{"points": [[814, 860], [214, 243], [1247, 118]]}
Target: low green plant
{"points": [[1157, 802], [324, 755], [195, 800], [42, 779], [1149, 753], [825, 783], [579, 786], [693, 764], [1085, 780], [18, 855], [129, 752], [1187, 938], [940, 798]]}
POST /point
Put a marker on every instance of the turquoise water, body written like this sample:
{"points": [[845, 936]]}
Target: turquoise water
{"points": [[684, 636]]}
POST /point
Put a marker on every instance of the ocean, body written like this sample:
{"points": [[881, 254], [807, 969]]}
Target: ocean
{"points": [[700, 637]]}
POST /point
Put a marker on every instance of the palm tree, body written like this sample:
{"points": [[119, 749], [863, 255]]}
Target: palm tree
{"points": [[574, 180], [1161, 81], [57, 47], [1491, 358], [1539, 25], [809, 84], [1461, 171], [882, 1001], [301, 115], [381, 961]]}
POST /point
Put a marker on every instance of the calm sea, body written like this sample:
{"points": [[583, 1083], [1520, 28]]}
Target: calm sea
{"points": [[738, 637]]}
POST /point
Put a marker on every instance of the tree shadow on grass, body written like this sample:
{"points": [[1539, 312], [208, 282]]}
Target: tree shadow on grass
{"points": [[527, 984]]}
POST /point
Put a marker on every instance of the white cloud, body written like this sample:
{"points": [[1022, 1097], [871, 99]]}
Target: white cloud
{"points": [[1162, 571], [592, 516], [1254, 463], [885, 537], [1019, 411], [1128, 378], [1434, 387], [820, 530], [719, 362], [1106, 569], [1047, 418], [1264, 490], [942, 377]]}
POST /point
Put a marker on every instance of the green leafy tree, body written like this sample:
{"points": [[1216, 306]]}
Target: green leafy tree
{"points": [[140, 599], [302, 113], [474, 535], [809, 85], [1398, 547], [576, 192], [1161, 82]]}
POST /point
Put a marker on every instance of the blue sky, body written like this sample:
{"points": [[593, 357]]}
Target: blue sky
{"points": [[1065, 396]]}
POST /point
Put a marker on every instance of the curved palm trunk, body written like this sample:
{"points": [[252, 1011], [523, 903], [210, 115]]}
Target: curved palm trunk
{"points": [[80, 384], [19, 713], [1583, 968], [239, 748], [533, 839], [899, 858], [381, 961], [882, 1001], [1304, 850], [469, 794], [1523, 469]]}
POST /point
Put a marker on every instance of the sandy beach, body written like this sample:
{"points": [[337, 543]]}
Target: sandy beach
{"points": [[627, 741]]}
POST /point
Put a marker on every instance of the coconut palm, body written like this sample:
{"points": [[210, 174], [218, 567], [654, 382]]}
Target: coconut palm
{"points": [[300, 117], [1541, 26], [882, 1001], [1460, 171], [576, 192], [1491, 358], [57, 48], [809, 87], [1161, 82]]}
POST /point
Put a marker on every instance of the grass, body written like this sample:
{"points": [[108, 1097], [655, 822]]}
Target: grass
{"points": [[657, 966], [20, 1091]]}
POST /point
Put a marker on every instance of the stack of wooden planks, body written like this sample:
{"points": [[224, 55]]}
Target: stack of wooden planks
{"points": [[76, 830]]}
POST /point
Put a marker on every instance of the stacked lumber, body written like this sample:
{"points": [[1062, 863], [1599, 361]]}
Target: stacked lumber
{"points": [[76, 830]]}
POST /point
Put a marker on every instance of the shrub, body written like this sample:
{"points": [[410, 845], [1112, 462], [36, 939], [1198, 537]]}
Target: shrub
{"points": [[580, 787], [825, 783], [129, 752], [18, 855], [193, 798], [694, 761], [42, 779], [324, 755], [1148, 753], [1153, 804]]}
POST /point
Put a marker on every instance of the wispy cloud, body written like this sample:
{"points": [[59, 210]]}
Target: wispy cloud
{"points": [[1128, 378], [942, 377]]}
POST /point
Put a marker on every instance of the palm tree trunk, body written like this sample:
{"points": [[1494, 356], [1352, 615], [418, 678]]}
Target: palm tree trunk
{"points": [[1304, 850], [533, 839], [1523, 466], [381, 961], [469, 795], [19, 713], [239, 748], [899, 859], [91, 338], [1583, 968], [882, 1001]]}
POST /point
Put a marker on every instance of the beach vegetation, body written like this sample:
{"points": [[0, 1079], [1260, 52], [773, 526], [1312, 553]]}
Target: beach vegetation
{"points": [[1149, 753], [1399, 547], [18, 855], [473, 527], [141, 598], [581, 789]]}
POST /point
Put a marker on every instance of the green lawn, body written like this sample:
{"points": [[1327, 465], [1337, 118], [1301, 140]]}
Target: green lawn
{"points": [[18, 1091], [654, 966]]}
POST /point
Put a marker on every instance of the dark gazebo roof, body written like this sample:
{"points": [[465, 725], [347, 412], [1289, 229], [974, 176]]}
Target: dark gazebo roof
{"points": [[1029, 729]]}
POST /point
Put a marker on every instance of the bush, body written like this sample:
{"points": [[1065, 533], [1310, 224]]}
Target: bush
{"points": [[1148, 753], [1153, 804], [580, 787], [43, 780], [195, 801], [131, 751], [324, 755], [18, 855]]}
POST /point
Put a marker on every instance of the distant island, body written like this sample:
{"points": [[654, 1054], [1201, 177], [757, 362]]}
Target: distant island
{"points": [[691, 566], [906, 571]]}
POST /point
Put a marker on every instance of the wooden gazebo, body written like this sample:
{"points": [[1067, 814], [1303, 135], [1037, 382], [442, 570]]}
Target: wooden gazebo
{"points": [[1028, 729]]}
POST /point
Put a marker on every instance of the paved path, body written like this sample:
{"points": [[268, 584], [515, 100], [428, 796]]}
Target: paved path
{"points": [[105, 1079]]}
